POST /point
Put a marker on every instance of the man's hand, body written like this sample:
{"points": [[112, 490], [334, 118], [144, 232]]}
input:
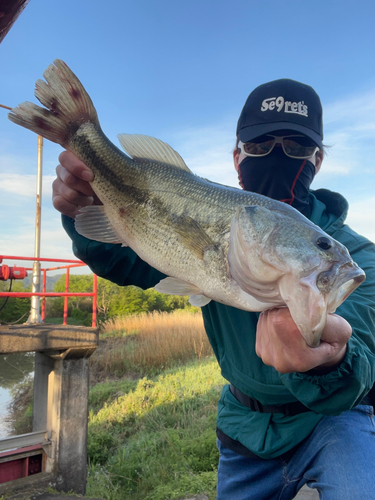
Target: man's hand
{"points": [[71, 189], [280, 344]]}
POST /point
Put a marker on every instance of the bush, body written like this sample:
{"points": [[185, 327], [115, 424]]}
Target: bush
{"points": [[100, 444], [13, 309]]}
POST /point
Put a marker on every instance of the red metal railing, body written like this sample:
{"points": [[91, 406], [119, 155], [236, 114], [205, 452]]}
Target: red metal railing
{"points": [[44, 294]]}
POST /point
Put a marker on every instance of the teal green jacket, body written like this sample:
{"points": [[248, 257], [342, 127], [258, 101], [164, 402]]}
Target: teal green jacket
{"points": [[232, 335]]}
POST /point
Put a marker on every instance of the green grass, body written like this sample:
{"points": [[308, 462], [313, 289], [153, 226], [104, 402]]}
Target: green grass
{"points": [[154, 439], [107, 392]]}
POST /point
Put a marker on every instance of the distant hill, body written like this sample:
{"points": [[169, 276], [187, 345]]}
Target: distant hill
{"points": [[51, 280]]}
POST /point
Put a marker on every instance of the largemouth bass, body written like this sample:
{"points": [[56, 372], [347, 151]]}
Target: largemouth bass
{"points": [[213, 242]]}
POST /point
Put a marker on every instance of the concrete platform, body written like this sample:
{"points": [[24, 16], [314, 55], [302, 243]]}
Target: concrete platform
{"points": [[49, 496], [47, 337], [307, 494]]}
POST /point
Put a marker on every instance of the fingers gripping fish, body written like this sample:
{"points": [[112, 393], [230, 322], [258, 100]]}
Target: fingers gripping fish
{"points": [[214, 242]]}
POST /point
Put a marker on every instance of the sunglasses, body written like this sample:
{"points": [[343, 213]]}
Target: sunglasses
{"points": [[294, 146]]}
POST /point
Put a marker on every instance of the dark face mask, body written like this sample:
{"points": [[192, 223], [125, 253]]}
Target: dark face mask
{"points": [[279, 177]]}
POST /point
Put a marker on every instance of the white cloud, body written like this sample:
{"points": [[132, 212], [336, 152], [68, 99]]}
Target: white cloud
{"points": [[25, 184], [353, 109], [337, 164], [349, 128], [207, 151], [361, 217], [12, 162], [340, 158], [55, 243], [21, 241]]}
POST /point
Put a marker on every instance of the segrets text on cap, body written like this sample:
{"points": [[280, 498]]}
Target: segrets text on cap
{"points": [[298, 108]]}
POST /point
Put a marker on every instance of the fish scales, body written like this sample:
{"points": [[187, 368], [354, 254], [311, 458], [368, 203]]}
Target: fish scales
{"points": [[212, 241], [189, 192], [122, 187]]}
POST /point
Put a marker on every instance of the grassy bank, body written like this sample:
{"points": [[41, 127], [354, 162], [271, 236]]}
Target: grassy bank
{"points": [[153, 409], [154, 438]]}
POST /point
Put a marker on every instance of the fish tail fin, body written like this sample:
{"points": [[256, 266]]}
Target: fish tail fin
{"points": [[67, 106]]}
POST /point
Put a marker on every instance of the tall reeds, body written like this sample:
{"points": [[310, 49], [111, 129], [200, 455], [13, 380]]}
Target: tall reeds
{"points": [[148, 343]]}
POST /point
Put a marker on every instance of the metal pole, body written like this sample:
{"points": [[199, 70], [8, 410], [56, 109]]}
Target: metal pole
{"points": [[65, 317], [44, 299], [94, 300], [35, 301]]}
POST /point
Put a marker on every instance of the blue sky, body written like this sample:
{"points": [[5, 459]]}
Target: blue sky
{"points": [[181, 72]]}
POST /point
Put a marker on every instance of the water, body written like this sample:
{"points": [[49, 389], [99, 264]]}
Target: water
{"points": [[14, 368], [5, 399]]}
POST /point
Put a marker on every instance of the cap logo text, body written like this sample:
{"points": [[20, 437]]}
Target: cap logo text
{"points": [[280, 104]]}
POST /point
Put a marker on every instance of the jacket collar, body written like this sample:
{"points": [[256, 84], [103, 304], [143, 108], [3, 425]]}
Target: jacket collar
{"points": [[329, 209]]}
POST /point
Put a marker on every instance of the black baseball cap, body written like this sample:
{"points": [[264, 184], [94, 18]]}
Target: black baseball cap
{"points": [[282, 105]]}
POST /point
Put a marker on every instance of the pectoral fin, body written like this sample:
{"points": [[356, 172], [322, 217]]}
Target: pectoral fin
{"points": [[92, 223], [193, 235]]}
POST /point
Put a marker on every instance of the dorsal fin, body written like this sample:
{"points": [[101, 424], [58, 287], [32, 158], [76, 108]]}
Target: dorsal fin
{"points": [[144, 146]]}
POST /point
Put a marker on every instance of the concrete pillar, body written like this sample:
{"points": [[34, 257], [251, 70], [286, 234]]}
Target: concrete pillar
{"points": [[68, 420], [61, 390], [43, 367]]}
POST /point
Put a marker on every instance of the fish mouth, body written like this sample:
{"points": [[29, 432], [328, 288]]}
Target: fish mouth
{"points": [[339, 282], [334, 285], [317, 295]]}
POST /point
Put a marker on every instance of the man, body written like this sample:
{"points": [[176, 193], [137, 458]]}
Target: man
{"points": [[292, 415]]}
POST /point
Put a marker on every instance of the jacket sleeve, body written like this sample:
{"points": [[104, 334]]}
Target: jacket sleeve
{"points": [[113, 262], [346, 385]]}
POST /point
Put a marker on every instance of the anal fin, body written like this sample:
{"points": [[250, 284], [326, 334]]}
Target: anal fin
{"points": [[174, 286], [199, 300]]}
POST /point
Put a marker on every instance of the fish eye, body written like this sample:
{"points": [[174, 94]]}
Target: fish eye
{"points": [[324, 243]]}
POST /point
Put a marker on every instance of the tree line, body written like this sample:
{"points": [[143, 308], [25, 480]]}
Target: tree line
{"points": [[112, 300]]}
